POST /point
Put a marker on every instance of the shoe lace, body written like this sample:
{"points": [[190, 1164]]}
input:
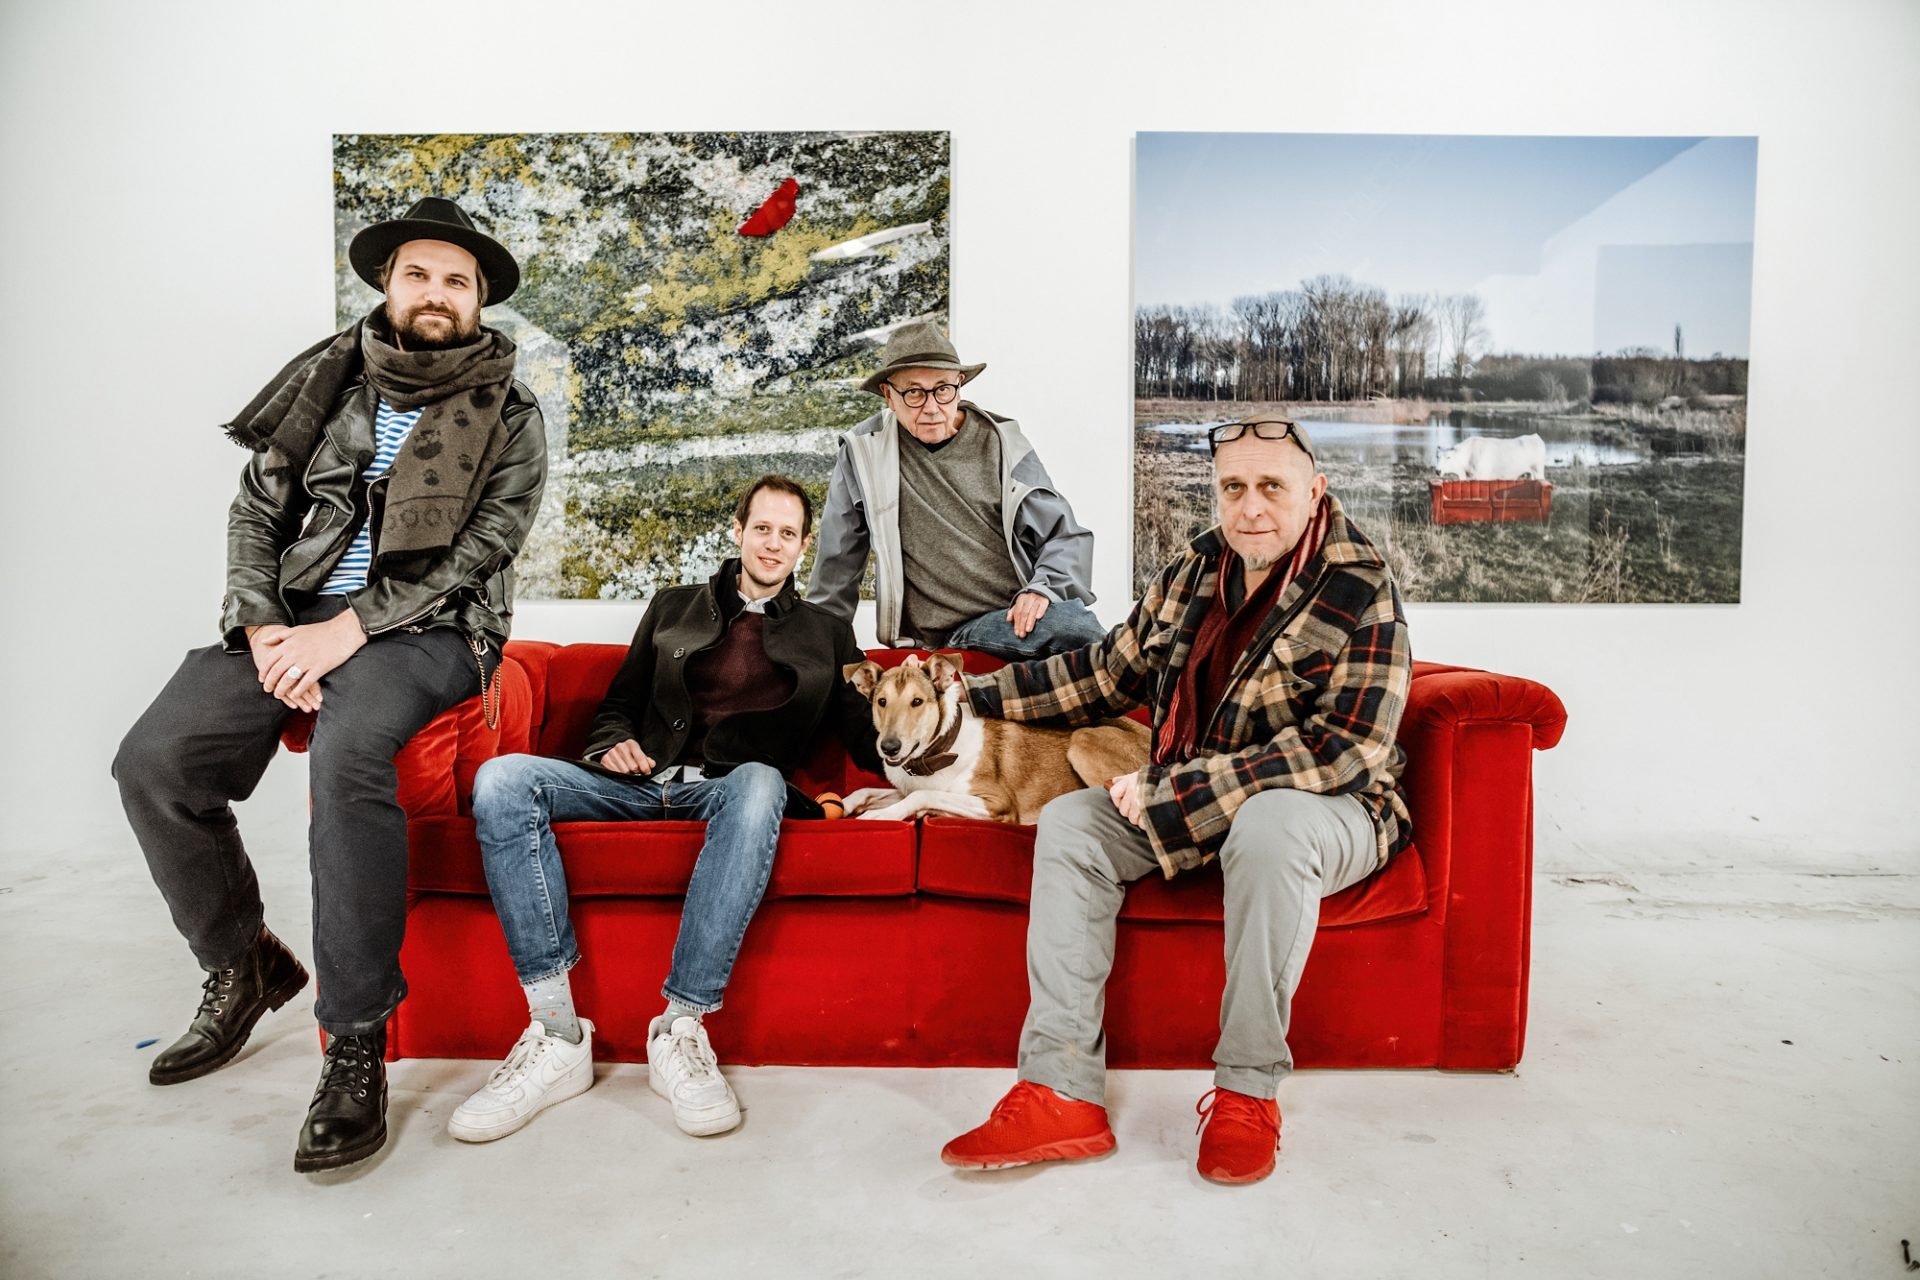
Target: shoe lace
{"points": [[1236, 1108], [215, 990], [520, 1061], [348, 1067], [693, 1050], [1024, 1096]]}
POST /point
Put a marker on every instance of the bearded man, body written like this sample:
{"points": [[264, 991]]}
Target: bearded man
{"points": [[397, 467]]}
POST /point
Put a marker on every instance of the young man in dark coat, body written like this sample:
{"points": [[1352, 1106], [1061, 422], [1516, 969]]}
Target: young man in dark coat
{"points": [[724, 691], [397, 469]]}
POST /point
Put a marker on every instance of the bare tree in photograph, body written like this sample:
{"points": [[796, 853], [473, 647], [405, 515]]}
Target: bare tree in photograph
{"points": [[1258, 321], [1332, 339], [1410, 338], [1463, 333]]}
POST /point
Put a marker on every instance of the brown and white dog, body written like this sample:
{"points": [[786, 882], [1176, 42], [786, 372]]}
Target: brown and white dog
{"points": [[942, 758]]}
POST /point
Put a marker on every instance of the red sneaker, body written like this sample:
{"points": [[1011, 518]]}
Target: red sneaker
{"points": [[1030, 1124], [1242, 1134]]}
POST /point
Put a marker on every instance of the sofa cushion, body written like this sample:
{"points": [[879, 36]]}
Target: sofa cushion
{"points": [[577, 679], [965, 858], [655, 859], [975, 663]]}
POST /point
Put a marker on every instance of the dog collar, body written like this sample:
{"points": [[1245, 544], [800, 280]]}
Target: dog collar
{"points": [[938, 754]]}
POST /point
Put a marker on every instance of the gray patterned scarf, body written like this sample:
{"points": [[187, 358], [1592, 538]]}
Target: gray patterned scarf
{"points": [[436, 480]]}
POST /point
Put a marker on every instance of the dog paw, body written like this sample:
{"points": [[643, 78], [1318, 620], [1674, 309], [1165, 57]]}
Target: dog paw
{"points": [[866, 797]]}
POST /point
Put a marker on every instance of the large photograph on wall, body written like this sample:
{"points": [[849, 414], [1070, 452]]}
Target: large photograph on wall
{"points": [[695, 309], [1523, 359]]}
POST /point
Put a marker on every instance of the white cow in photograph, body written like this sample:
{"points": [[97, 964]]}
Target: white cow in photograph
{"points": [[1492, 458]]}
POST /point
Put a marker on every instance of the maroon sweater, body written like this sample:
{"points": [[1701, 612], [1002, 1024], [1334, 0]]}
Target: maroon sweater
{"points": [[732, 676], [1223, 637]]}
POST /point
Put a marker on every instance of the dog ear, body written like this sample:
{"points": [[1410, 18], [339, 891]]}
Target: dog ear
{"points": [[863, 675], [943, 668]]}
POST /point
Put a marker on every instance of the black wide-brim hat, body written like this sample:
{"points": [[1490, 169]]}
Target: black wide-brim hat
{"points": [[435, 219]]}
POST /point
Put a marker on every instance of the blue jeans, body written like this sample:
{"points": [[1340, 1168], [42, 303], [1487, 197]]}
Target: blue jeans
{"points": [[1065, 626], [518, 798]]}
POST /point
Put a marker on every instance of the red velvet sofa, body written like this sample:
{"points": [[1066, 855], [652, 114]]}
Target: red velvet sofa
{"points": [[902, 944]]}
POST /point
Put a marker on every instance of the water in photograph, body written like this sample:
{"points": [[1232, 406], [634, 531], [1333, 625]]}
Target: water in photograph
{"points": [[1568, 441]]}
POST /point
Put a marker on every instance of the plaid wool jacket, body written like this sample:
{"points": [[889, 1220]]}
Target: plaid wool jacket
{"points": [[1313, 704]]}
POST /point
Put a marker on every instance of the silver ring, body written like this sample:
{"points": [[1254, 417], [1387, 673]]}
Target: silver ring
{"points": [[294, 672]]}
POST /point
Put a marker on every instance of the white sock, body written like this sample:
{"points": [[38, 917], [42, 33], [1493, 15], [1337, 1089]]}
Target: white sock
{"points": [[676, 1011]]}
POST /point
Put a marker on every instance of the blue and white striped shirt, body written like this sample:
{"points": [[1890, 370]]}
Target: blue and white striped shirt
{"points": [[391, 427]]}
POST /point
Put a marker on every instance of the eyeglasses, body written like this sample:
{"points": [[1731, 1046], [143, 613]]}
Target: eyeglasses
{"points": [[914, 397], [1264, 429]]}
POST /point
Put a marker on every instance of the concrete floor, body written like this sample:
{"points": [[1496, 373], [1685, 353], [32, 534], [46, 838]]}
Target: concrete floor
{"points": [[1720, 1080]]}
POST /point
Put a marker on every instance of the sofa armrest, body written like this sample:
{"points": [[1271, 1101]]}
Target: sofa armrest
{"points": [[1469, 738], [534, 657], [1457, 695]]}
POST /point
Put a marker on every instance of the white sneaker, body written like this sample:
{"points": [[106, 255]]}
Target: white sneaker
{"points": [[681, 1068], [541, 1070]]}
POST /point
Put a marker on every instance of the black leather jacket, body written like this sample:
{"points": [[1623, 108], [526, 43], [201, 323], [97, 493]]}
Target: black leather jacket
{"points": [[648, 700], [285, 533]]}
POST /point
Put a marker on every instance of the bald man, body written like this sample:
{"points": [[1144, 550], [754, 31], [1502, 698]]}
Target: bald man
{"points": [[1274, 752]]}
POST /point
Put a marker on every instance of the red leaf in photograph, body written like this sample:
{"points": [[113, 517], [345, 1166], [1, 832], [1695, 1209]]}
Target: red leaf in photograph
{"points": [[775, 213]]}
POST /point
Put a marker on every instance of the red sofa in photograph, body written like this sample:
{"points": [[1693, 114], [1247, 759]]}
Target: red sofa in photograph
{"points": [[902, 944]]}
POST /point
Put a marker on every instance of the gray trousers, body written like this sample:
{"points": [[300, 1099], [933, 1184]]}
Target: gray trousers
{"points": [[1286, 851], [208, 738]]}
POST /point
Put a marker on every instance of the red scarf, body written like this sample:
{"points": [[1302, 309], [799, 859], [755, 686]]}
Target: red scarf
{"points": [[1223, 639]]}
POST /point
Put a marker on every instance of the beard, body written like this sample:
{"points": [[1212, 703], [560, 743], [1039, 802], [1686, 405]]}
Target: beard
{"points": [[1259, 564], [414, 337]]}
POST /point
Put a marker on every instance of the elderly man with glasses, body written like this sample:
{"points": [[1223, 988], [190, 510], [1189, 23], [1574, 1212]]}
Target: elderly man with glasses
{"points": [[972, 545], [1274, 656]]}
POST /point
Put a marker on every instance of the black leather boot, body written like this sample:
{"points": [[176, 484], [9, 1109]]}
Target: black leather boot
{"points": [[347, 1120], [232, 1000]]}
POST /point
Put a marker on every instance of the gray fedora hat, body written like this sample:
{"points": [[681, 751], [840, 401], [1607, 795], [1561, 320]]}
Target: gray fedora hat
{"points": [[435, 219], [919, 345]]}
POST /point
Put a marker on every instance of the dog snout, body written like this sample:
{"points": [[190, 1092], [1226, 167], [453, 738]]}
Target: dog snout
{"points": [[889, 746]]}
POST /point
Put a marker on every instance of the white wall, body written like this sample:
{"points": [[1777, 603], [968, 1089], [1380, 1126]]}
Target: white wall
{"points": [[167, 223]]}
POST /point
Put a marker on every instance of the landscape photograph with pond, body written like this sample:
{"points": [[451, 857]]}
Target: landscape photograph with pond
{"points": [[1522, 360]]}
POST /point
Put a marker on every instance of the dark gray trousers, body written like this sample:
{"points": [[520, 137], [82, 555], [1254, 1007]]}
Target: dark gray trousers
{"points": [[206, 741]]}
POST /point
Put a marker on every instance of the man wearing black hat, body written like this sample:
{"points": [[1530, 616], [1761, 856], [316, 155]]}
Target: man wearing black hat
{"points": [[397, 467], [973, 546]]}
